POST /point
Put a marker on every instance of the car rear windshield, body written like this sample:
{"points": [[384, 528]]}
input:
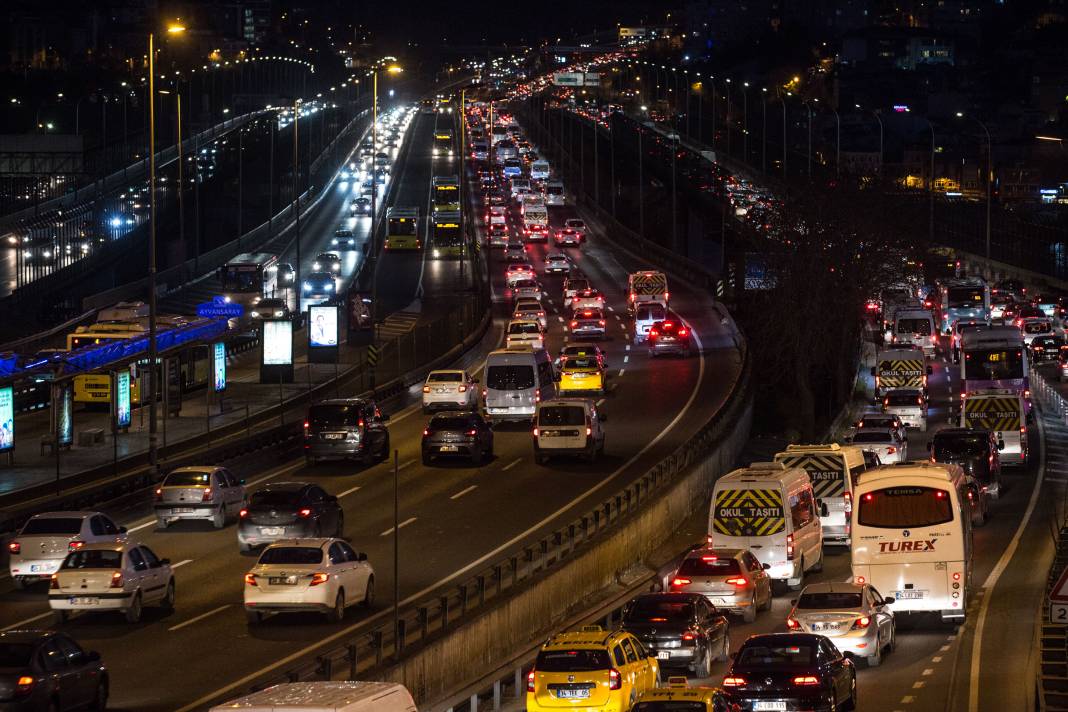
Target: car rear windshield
{"points": [[93, 559], [902, 399], [561, 415], [48, 525], [872, 438], [292, 555], [710, 566], [656, 607], [829, 600], [579, 362], [761, 654], [1038, 327], [320, 416], [578, 285], [530, 328], [952, 448], [572, 660], [654, 313], [274, 498], [905, 508], [452, 423], [188, 479], [509, 378], [445, 377], [15, 655], [914, 326]]}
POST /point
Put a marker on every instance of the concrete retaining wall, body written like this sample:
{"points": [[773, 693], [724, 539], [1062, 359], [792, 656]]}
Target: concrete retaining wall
{"points": [[535, 612], [992, 271]]}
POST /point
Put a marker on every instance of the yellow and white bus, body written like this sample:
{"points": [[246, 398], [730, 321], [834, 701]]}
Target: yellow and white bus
{"points": [[446, 239], [443, 145], [402, 229], [445, 193]]}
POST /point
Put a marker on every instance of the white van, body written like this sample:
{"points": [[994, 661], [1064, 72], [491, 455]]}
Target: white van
{"points": [[568, 426], [915, 327], [770, 509], [325, 697], [833, 470], [539, 170], [645, 315], [554, 193], [516, 380]]}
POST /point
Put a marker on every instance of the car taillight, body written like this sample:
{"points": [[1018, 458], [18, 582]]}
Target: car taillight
{"points": [[738, 581], [653, 333], [530, 681], [207, 495], [806, 680], [243, 513], [116, 579], [919, 400], [534, 432], [861, 623], [793, 624], [601, 322], [848, 503], [683, 332], [24, 684], [615, 680], [159, 494], [306, 427], [472, 433], [14, 547], [250, 579], [305, 512], [537, 395], [734, 681], [891, 450], [688, 636], [574, 324], [426, 432], [861, 580], [789, 546], [75, 545], [318, 578], [53, 581], [426, 389], [678, 581], [462, 389]]}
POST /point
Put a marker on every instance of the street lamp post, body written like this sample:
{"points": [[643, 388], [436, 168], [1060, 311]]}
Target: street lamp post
{"points": [[764, 130], [783, 100], [989, 175], [727, 116], [745, 122]]}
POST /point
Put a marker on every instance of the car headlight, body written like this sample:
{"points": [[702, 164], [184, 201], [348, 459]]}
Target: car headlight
{"points": [[333, 241], [254, 314], [307, 286], [316, 266], [329, 286]]}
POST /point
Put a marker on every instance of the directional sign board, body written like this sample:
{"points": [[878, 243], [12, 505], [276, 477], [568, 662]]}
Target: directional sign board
{"points": [[1058, 600], [219, 307]]}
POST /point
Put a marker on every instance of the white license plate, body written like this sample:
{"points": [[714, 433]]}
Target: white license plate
{"points": [[183, 510], [769, 706], [910, 594], [572, 694], [448, 448], [84, 600], [283, 580], [34, 568], [272, 531], [333, 436], [824, 626], [663, 655]]}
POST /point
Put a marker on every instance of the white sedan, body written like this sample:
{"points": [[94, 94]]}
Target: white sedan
{"points": [[886, 443], [324, 575], [111, 577], [449, 389]]}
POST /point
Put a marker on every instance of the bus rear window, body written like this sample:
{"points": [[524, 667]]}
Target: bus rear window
{"points": [[905, 508]]}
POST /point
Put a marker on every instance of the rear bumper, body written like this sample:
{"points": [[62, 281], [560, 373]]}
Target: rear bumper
{"points": [[253, 534], [34, 568], [342, 450], [104, 601], [450, 449], [674, 347], [182, 510]]}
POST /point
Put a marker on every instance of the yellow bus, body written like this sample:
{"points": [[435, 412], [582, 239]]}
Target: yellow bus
{"points": [[446, 239], [445, 193], [443, 142], [402, 229]]}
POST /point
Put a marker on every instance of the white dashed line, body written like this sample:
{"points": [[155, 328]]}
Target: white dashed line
{"points": [[512, 464], [944, 649], [621, 371], [201, 617], [181, 563], [918, 684], [907, 699], [560, 318], [139, 527], [405, 464], [609, 308], [626, 359], [403, 524], [927, 672], [627, 347], [349, 491], [936, 659], [462, 492], [13, 626]]}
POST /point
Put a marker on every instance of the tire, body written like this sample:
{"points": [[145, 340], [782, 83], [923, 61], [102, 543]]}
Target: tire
{"points": [[819, 564], [384, 455], [253, 617], [167, 602], [100, 700], [369, 593], [133, 613], [800, 579], [725, 653], [749, 615], [244, 548], [427, 460], [476, 457], [161, 524], [19, 583], [767, 604], [892, 645], [876, 659], [339, 530], [852, 703], [703, 670], [337, 613], [218, 520], [60, 617]]}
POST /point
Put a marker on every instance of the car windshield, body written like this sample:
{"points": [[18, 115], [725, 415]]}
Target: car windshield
{"points": [[653, 313], [93, 559], [576, 660], [292, 555], [709, 565], [509, 378], [274, 498], [905, 508], [445, 377], [872, 438], [656, 608], [50, 525], [320, 416], [759, 654], [561, 415], [829, 600], [1037, 327], [951, 449], [188, 479]]}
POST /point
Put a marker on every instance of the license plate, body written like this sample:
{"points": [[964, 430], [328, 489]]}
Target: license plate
{"points": [[549, 434], [183, 510], [333, 436], [572, 694], [272, 531], [448, 448], [910, 594], [769, 706], [439, 390], [35, 568], [663, 655], [283, 580], [84, 600], [824, 626]]}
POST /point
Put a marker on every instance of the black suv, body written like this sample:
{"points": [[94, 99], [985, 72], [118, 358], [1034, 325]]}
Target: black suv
{"points": [[680, 629], [977, 451], [458, 434], [346, 428]]}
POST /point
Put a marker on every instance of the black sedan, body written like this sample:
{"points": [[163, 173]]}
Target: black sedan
{"points": [[669, 337], [288, 510], [458, 434], [791, 671], [682, 630], [1046, 348], [42, 669]]}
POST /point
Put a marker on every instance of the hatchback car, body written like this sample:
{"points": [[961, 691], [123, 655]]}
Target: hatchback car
{"points": [[681, 629], [270, 309], [557, 263], [360, 206], [526, 289], [343, 238], [567, 237], [586, 299], [44, 541], [531, 309], [668, 337], [46, 670], [731, 579], [524, 331], [457, 434], [316, 574], [576, 224], [572, 286], [498, 235], [210, 493], [450, 389], [783, 671], [856, 618], [319, 284], [908, 404], [111, 577], [588, 322], [882, 421], [580, 374], [886, 443], [516, 271], [326, 262], [284, 510], [346, 428]]}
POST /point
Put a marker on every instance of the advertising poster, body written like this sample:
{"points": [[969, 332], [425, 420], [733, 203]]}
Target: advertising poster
{"points": [[64, 408], [277, 343], [122, 399], [7, 419], [218, 358], [322, 322]]}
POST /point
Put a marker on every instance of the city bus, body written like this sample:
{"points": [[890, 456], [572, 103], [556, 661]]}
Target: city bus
{"points": [[994, 358], [250, 277], [964, 300], [402, 229], [912, 537], [444, 104], [446, 237], [445, 192], [443, 142]]}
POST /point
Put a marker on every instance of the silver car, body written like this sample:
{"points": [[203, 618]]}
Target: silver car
{"points": [[45, 539], [857, 619], [908, 404], [731, 579], [210, 493]]}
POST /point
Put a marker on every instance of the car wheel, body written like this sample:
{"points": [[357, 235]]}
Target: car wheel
{"points": [[876, 658], [767, 601], [133, 613], [161, 524], [819, 564], [253, 617], [100, 699], [369, 593], [167, 603], [218, 520], [800, 580], [244, 548], [339, 530], [852, 704], [725, 653], [703, 669], [892, 645], [427, 459], [476, 457], [61, 617], [337, 613], [749, 614]]}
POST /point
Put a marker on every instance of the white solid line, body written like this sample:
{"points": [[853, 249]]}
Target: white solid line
{"points": [[350, 490], [13, 626], [622, 371], [181, 563], [504, 546], [512, 464], [201, 617], [626, 359], [561, 319], [139, 527], [403, 524], [627, 347], [992, 580], [462, 492]]}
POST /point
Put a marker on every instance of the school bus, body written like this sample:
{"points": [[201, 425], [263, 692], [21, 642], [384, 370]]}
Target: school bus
{"points": [[402, 232]]}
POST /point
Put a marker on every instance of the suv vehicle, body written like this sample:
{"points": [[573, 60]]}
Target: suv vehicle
{"points": [[977, 451], [210, 493], [344, 428], [681, 629], [569, 426], [459, 435]]}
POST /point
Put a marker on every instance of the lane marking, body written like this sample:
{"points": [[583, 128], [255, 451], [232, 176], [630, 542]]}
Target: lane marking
{"points": [[196, 619], [181, 563], [462, 492], [350, 490], [626, 359], [622, 371], [627, 347], [918, 684], [139, 527], [936, 659], [512, 464], [403, 524], [907, 699], [405, 464], [944, 649], [992, 580], [600, 402], [927, 672], [21, 623]]}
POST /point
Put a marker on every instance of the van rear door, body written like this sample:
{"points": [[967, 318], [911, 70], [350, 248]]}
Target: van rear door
{"points": [[829, 486], [748, 519]]}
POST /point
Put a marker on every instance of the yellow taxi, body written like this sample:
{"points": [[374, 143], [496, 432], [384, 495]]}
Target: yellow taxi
{"points": [[677, 696], [591, 670], [581, 374]]}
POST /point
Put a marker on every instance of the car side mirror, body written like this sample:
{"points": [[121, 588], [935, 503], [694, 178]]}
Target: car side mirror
{"points": [[873, 371], [766, 567], [889, 600], [92, 656], [824, 510], [361, 556], [930, 371], [122, 530], [1001, 444], [164, 562]]}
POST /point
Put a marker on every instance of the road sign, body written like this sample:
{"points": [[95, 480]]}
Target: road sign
{"points": [[372, 355], [219, 307], [1058, 596], [1058, 613]]}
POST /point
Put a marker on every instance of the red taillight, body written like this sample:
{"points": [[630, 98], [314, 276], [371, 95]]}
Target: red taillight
{"points": [[530, 681], [806, 680], [159, 494], [861, 580], [207, 495], [891, 450], [462, 389], [14, 547], [956, 577], [792, 624], [53, 581], [574, 324], [653, 333], [306, 427], [689, 636], [733, 681], [848, 502], [250, 579], [426, 432], [683, 332], [537, 395], [116, 579], [789, 546], [615, 680], [24, 684], [738, 581], [243, 513], [305, 512], [426, 389], [75, 545], [318, 578], [680, 581], [534, 432], [601, 322], [472, 433], [589, 431], [861, 623]]}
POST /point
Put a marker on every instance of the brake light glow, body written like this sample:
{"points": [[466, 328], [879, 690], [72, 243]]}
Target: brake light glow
{"points": [[891, 450], [806, 680], [116, 579], [305, 512], [688, 636], [793, 624], [24, 684], [159, 494], [318, 578], [537, 395], [462, 389], [861, 580], [207, 495], [472, 433], [250, 579], [738, 581], [789, 546], [53, 581], [733, 681], [589, 431], [683, 332], [530, 681], [14, 547], [75, 545], [615, 680], [861, 623], [243, 513], [306, 424], [426, 389], [574, 324], [535, 432], [710, 558]]}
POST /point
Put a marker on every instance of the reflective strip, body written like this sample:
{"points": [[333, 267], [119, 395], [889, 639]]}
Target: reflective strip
{"points": [[827, 472], [749, 512]]}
